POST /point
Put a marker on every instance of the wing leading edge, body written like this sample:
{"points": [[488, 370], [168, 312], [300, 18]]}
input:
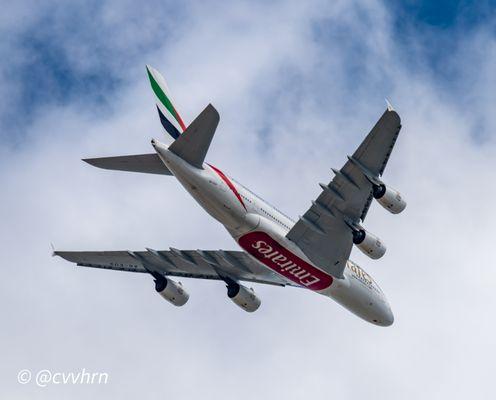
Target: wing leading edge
{"points": [[323, 232]]}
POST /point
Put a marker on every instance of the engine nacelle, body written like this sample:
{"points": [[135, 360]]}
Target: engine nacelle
{"points": [[243, 297], [389, 198], [369, 244], [171, 291]]}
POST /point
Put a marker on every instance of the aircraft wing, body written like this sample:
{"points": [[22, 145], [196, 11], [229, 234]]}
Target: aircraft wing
{"points": [[322, 232], [201, 264]]}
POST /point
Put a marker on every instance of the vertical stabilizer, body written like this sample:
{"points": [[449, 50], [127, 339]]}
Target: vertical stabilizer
{"points": [[167, 111]]}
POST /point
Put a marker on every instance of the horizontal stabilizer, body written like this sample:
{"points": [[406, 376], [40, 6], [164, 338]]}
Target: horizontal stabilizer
{"points": [[192, 145], [145, 163]]}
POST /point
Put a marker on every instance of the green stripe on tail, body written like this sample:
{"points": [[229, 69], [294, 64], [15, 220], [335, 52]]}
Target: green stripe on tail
{"points": [[163, 98]]}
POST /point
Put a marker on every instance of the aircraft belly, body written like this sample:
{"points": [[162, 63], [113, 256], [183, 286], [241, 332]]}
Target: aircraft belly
{"points": [[362, 297], [266, 250], [210, 194], [271, 249], [221, 206]]}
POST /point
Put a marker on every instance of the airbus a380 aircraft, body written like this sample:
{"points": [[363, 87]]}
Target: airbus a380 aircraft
{"points": [[310, 253]]}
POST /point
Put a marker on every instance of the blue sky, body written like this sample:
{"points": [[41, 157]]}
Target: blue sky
{"points": [[48, 67], [443, 14], [430, 33], [75, 53]]}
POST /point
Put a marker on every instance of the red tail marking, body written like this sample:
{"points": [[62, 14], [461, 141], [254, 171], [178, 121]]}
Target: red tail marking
{"points": [[229, 183]]}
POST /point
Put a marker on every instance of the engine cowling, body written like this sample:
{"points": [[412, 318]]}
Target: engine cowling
{"points": [[243, 297], [369, 244], [171, 291], [389, 198]]}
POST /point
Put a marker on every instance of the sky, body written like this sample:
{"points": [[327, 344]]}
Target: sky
{"points": [[298, 85]]}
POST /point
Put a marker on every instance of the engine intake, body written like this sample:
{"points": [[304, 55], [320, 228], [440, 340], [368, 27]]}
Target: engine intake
{"points": [[389, 198], [243, 297], [368, 244], [171, 291]]}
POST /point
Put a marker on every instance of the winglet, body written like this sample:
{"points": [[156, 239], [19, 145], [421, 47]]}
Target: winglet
{"points": [[389, 106], [53, 249]]}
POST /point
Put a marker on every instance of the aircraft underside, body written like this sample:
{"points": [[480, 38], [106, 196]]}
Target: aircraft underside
{"points": [[311, 253]]}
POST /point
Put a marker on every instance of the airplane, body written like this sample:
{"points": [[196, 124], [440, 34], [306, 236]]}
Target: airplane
{"points": [[311, 252]]}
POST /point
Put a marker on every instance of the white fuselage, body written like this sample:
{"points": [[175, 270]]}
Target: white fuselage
{"points": [[260, 229]]}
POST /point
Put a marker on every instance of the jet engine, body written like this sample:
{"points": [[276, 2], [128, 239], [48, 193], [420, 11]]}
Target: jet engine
{"points": [[243, 297], [369, 244], [171, 291], [389, 198]]}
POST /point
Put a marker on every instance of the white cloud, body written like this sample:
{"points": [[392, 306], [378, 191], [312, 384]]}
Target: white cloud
{"points": [[289, 112]]}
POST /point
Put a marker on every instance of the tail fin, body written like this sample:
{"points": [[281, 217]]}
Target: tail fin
{"points": [[193, 144], [169, 116]]}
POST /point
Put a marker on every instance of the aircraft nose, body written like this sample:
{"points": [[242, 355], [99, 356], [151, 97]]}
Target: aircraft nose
{"points": [[384, 316], [388, 318]]}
